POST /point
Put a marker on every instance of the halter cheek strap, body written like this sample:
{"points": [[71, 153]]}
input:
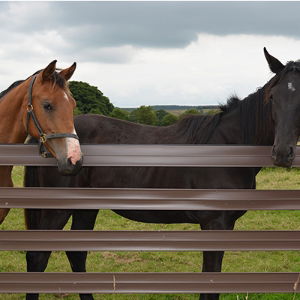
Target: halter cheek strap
{"points": [[43, 136]]}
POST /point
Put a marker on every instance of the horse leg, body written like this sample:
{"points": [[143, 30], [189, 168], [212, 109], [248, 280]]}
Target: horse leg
{"points": [[212, 260], [5, 181], [3, 213], [81, 220], [40, 219], [36, 262]]}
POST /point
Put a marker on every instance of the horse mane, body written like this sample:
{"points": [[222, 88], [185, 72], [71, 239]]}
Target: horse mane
{"points": [[198, 128], [12, 86], [291, 66], [255, 120], [56, 78], [255, 116]]}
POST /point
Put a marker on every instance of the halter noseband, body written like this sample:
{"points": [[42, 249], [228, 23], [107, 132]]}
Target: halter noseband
{"points": [[43, 136]]}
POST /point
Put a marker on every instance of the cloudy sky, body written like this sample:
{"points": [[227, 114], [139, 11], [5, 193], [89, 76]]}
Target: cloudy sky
{"points": [[146, 53]]}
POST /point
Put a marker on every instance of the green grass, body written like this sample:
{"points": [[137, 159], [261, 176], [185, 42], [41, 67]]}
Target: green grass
{"points": [[17, 175], [245, 261]]}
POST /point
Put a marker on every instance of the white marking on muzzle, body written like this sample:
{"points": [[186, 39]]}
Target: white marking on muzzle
{"points": [[73, 149]]}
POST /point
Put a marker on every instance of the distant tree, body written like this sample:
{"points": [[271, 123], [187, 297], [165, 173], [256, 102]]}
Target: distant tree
{"points": [[89, 99], [77, 111], [119, 114], [160, 114], [132, 116], [143, 115], [169, 119]]}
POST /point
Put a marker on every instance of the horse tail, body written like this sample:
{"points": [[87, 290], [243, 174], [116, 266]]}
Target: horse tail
{"points": [[31, 179]]}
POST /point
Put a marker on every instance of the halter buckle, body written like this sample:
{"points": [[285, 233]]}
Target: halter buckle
{"points": [[29, 107], [44, 154], [43, 138]]}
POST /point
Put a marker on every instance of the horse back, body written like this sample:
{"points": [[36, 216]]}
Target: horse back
{"points": [[98, 129]]}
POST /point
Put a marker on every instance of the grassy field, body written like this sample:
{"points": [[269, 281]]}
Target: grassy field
{"points": [[178, 112], [259, 261]]}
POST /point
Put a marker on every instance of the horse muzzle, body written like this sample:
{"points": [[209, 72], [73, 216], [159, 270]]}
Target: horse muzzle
{"points": [[283, 156], [66, 167]]}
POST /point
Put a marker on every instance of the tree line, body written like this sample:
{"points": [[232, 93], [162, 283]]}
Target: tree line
{"points": [[91, 100]]}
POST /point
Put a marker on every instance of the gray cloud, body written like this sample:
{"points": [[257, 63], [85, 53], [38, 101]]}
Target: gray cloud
{"points": [[142, 52], [176, 24], [85, 27]]}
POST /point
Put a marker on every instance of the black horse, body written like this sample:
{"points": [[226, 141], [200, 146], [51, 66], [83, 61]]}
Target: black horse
{"points": [[270, 114]]}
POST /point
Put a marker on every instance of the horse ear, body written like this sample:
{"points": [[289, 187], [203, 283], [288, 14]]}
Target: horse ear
{"points": [[49, 70], [67, 73], [274, 64]]}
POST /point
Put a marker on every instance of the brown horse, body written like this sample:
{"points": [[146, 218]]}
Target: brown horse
{"points": [[41, 106]]}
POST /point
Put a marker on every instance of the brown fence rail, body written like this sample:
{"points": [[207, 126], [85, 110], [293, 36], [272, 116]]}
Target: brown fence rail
{"points": [[151, 155], [137, 283], [149, 240], [149, 199]]}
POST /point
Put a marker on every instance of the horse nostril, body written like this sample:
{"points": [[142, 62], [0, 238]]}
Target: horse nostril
{"points": [[69, 162]]}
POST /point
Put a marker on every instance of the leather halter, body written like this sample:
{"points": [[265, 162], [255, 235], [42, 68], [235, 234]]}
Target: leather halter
{"points": [[43, 136]]}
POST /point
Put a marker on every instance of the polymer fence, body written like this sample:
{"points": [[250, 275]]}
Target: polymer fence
{"points": [[149, 199]]}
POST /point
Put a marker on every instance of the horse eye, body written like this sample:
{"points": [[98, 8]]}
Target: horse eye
{"points": [[47, 106]]}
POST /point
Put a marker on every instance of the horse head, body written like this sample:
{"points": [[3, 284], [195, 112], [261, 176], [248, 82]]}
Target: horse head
{"points": [[49, 116], [284, 94]]}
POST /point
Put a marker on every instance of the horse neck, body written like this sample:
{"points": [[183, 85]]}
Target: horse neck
{"points": [[12, 110], [247, 121], [228, 130], [256, 119]]}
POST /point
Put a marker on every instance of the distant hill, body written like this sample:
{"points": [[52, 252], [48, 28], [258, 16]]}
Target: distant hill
{"points": [[176, 107]]}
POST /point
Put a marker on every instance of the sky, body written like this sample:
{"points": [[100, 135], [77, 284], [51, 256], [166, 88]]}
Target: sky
{"points": [[151, 53]]}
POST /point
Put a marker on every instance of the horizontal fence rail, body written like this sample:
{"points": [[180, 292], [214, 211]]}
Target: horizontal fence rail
{"points": [[137, 283], [149, 240], [151, 155], [149, 199]]}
